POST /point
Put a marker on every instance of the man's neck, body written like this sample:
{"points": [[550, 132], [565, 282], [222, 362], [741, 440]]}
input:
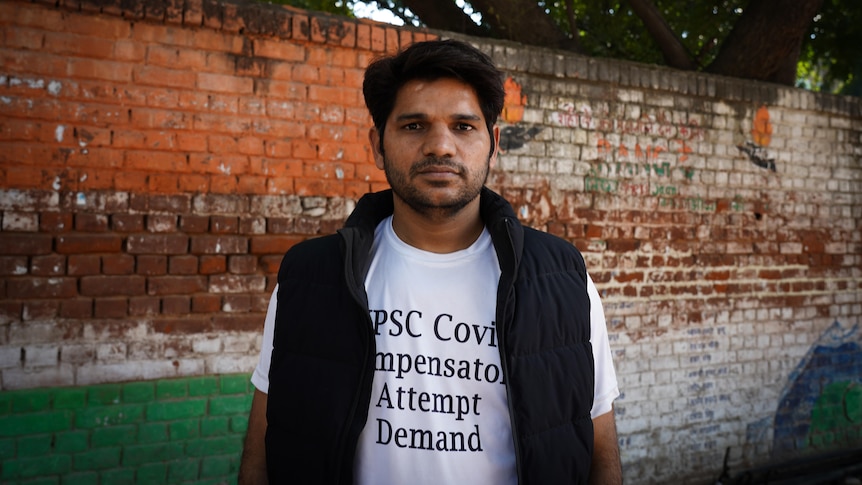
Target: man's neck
{"points": [[437, 233]]}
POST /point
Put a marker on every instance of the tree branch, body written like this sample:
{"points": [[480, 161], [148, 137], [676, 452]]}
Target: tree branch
{"points": [[674, 53]]}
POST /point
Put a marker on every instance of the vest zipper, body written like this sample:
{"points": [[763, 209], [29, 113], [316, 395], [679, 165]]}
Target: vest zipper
{"points": [[502, 303]]}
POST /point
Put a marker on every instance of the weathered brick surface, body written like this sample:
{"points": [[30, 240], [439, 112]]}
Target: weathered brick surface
{"points": [[153, 172]]}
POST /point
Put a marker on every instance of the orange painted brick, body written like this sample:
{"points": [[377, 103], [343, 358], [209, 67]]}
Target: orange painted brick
{"points": [[251, 184], [249, 145], [156, 161], [218, 164], [318, 187], [78, 45], [224, 83], [193, 183], [163, 183], [277, 49], [280, 185], [159, 119], [152, 33], [23, 38], [355, 189], [98, 26], [223, 184], [378, 38], [95, 179], [191, 142], [405, 38], [221, 144], [160, 76], [392, 40], [99, 69], [131, 181], [127, 50]]}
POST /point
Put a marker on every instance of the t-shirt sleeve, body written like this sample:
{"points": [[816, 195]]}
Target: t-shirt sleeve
{"points": [[260, 376], [606, 389]]}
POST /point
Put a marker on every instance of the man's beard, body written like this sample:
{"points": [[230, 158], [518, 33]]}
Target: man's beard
{"points": [[424, 204]]}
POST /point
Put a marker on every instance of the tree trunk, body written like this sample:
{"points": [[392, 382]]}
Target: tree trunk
{"points": [[444, 15], [521, 21], [765, 42], [674, 52]]}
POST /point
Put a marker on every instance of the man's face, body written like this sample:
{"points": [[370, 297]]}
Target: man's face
{"points": [[436, 146]]}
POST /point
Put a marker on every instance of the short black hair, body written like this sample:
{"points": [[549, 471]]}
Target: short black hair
{"points": [[430, 61]]}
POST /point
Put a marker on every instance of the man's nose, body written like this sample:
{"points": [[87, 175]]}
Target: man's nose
{"points": [[439, 141]]}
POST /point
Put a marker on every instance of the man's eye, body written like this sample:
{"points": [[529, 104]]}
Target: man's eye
{"points": [[465, 126], [412, 126]]}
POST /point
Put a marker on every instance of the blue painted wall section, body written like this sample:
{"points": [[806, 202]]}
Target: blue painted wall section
{"points": [[821, 407]]}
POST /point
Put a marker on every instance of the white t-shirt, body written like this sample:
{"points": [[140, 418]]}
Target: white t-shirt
{"points": [[438, 410]]}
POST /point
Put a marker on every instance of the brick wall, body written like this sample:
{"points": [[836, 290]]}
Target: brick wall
{"points": [[157, 158]]}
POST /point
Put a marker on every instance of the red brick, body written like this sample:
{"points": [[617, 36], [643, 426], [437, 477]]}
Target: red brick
{"points": [[273, 244], [183, 326], [173, 285], [270, 264], [222, 83], [40, 310], [212, 264], [110, 307], [47, 265], [239, 323], [242, 264], [118, 264], [252, 225], [236, 284], [194, 224], [84, 264], [76, 308], [219, 245], [14, 265], [176, 305], [101, 286], [10, 310], [236, 304], [206, 304], [26, 244], [144, 306], [161, 223], [127, 222], [151, 265], [89, 243], [224, 224], [185, 264], [55, 222], [157, 244], [159, 76], [32, 287]]}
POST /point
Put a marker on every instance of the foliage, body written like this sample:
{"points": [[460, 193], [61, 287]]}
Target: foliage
{"points": [[831, 59]]}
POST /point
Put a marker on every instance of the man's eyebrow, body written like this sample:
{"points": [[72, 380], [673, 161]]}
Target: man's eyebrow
{"points": [[423, 116]]}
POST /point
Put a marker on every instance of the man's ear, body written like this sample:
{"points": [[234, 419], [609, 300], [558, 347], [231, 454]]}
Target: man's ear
{"points": [[492, 160], [376, 148]]}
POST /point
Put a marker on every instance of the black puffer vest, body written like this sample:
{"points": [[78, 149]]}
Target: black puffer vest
{"points": [[323, 357]]}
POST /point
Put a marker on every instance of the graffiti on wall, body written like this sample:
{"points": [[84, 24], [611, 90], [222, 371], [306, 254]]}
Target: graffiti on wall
{"points": [[761, 136], [821, 405], [515, 135]]}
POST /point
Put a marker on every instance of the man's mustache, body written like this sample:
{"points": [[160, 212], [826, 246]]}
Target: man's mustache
{"points": [[436, 162]]}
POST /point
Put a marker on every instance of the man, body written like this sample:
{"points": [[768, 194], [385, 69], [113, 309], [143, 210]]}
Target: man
{"points": [[433, 339]]}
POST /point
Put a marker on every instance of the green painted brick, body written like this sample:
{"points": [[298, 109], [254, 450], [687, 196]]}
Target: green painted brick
{"points": [[215, 446], [97, 459], [27, 424], [31, 401], [237, 384], [173, 410], [109, 415], [215, 466], [80, 478], [70, 398], [153, 453], [239, 424], [217, 426], [152, 474], [34, 467], [203, 386], [71, 441], [7, 449], [118, 477], [41, 481], [222, 405], [35, 445], [171, 389], [184, 430], [5, 403], [137, 392], [114, 436], [152, 432], [104, 394], [183, 470]]}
